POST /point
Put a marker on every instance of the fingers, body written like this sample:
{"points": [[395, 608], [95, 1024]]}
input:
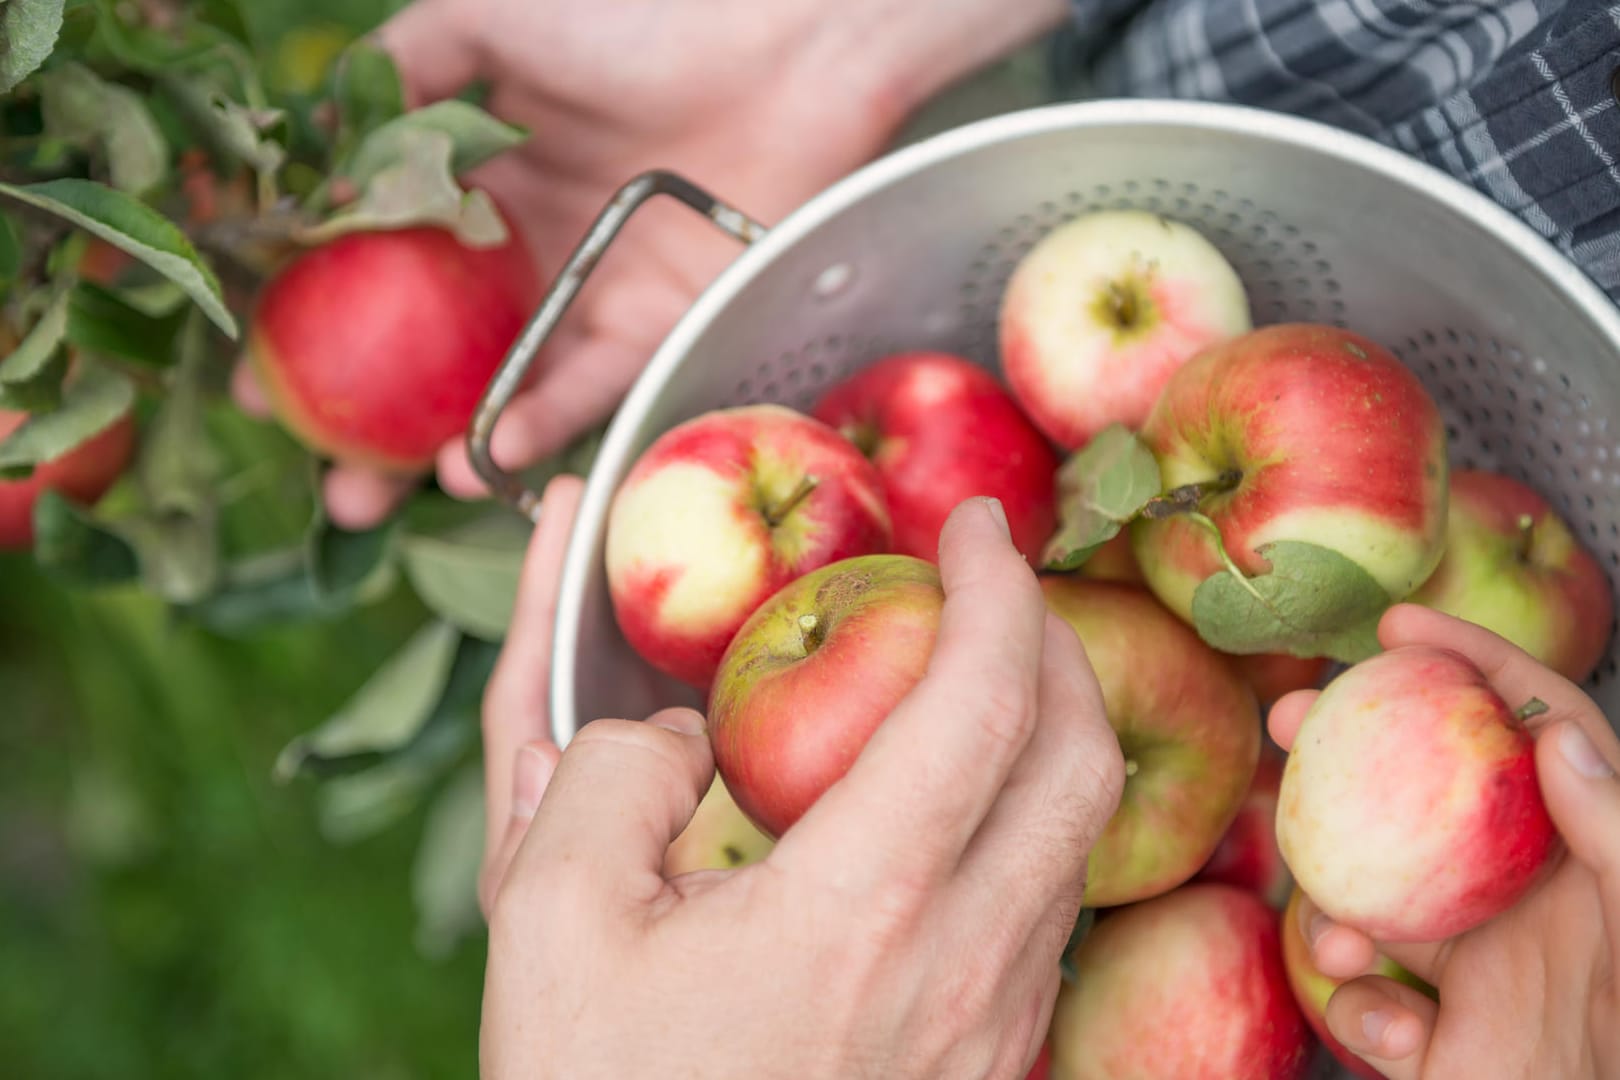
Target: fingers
{"points": [[621, 793], [1287, 713], [1576, 763], [531, 772], [435, 47], [514, 705], [1385, 1022], [924, 782], [1343, 952], [359, 498], [248, 392]]}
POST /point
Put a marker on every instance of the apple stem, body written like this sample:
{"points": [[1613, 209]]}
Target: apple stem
{"points": [[1131, 767], [1187, 497], [1527, 535], [1122, 305], [1533, 707], [810, 632], [774, 515]]}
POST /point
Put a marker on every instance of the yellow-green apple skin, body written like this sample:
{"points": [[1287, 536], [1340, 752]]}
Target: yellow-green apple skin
{"points": [[1410, 808], [722, 511], [1513, 566], [812, 674], [719, 837], [1326, 438], [1099, 313], [1187, 723]]}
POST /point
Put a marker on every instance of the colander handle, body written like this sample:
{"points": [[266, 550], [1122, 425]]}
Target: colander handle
{"points": [[509, 376]]}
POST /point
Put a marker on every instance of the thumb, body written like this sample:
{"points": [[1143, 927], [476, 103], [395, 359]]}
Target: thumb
{"points": [[620, 795], [433, 44], [1577, 771]]}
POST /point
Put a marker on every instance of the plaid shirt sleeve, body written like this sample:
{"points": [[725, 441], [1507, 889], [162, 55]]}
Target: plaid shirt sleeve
{"points": [[1516, 97]]}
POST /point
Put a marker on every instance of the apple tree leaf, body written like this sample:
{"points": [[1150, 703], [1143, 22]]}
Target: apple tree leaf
{"points": [[1312, 602], [367, 90], [468, 574], [133, 227], [242, 132], [31, 377], [345, 565], [28, 32], [11, 250], [444, 874], [105, 322], [84, 110], [475, 137], [71, 545], [90, 404], [1100, 488]]}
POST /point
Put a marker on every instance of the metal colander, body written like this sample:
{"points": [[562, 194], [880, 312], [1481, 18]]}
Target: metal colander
{"points": [[1521, 351]]}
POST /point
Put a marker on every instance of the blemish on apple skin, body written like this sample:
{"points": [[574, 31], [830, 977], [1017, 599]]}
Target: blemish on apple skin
{"points": [[1355, 350], [733, 856]]}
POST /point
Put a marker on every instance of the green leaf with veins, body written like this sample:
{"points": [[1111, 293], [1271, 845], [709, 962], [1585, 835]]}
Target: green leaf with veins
{"points": [[91, 404], [1100, 488], [1311, 602], [31, 377], [28, 32], [84, 110]]}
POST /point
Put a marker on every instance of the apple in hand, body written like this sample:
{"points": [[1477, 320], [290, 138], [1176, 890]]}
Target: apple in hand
{"points": [[376, 347], [1186, 986], [1513, 566], [1100, 312], [1187, 724], [1247, 855], [1312, 989], [941, 429], [82, 475], [1410, 808], [722, 511], [719, 837], [810, 676], [1297, 433]]}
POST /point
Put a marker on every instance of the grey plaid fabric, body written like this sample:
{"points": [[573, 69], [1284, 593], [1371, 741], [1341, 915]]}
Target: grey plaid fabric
{"points": [[1516, 97]]}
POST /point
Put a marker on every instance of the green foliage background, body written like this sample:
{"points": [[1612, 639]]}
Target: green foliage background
{"points": [[167, 909]]}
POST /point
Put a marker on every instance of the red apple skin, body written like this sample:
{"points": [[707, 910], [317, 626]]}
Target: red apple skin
{"points": [[1114, 561], [376, 347], [1247, 855], [940, 429], [1410, 808], [1537, 587], [1338, 444], [691, 550], [1042, 1068], [1312, 989], [82, 475], [789, 714], [1275, 675], [1189, 728], [1186, 986]]}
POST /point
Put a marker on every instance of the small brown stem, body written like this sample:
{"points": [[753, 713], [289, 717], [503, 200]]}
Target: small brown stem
{"points": [[1527, 536], [775, 515], [1131, 767], [1533, 707], [1188, 497], [811, 632], [1122, 305]]}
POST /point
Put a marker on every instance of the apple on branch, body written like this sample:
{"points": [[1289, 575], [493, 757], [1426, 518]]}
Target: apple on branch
{"points": [[1513, 566], [1100, 312], [721, 512], [1410, 808]]}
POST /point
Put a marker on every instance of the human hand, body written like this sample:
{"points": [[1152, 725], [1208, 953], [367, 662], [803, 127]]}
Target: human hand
{"points": [[909, 925], [1533, 992], [764, 104]]}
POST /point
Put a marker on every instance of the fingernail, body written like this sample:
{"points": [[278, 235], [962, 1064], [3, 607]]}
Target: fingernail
{"points": [[529, 775], [682, 721], [999, 513], [1582, 756], [1373, 1025]]}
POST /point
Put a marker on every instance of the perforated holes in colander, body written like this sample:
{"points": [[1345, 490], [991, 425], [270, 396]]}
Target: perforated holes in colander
{"points": [[798, 376]]}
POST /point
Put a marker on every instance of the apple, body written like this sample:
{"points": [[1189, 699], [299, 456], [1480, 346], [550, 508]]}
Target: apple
{"points": [[719, 837], [1041, 1069], [940, 429], [1410, 808], [82, 475], [1185, 986], [1102, 310], [1312, 989], [812, 673], [1189, 728], [1247, 855], [722, 511], [1275, 675], [1302, 433], [1513, 566], [1114, 561], [376, 347]]}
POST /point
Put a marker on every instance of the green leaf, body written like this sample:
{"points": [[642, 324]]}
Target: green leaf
{"points": [[1312, 602], [368, 91], [389, 710], [28, 30], [475, 137], [136, 228], [227, 16], [31, 377], [11, 251], [418, 189], [236, 129], [72, 546], [1100, 488], [342, 564], [1082, 927], [468, 575], [101, 321], [157, 51], [82, 109], [444, 875], [90, 404]]}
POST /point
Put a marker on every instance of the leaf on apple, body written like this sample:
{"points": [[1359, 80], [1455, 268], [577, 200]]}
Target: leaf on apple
{"points": [[469, 574], [31, 377], [135, 228], [444, 874], [475, 137], [90, 404], [1312, 602], [73, 547], [1100, 489], [84, 110], [28, 32]]}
